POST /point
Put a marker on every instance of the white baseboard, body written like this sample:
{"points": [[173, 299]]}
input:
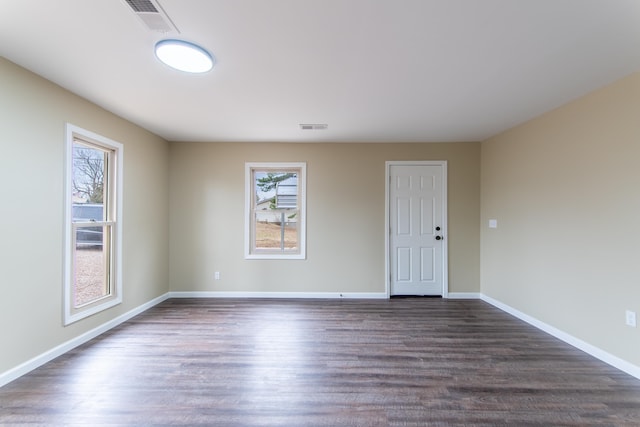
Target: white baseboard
{"points": [[30, 365], [592, 350], [299, 295], [18, 371], [464, 295]]}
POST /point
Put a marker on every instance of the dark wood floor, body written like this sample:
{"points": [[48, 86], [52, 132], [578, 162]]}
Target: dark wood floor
{"points": [[398, 362]]}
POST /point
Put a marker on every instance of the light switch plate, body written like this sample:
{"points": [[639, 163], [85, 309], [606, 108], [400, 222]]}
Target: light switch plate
{"points": [[493, 223], [630, 318]]}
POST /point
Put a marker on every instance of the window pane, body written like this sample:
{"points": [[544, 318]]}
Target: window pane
{"points": [[91, 265], [276, 229], [291, 232], [91, 257], [87, 212], [276, 198], [89, 172]]}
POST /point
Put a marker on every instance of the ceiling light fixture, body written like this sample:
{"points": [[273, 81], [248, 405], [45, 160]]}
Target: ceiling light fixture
{"points": [[184, 56]]}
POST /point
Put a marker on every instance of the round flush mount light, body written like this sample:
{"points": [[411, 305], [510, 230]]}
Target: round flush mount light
{"points": [[184, 56]]}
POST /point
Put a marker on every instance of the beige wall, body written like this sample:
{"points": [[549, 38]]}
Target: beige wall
{"points": [[33, 113], [345, 211], [565, 189]]}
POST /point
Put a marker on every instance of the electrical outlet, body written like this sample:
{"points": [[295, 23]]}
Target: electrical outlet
{"points": [[216, 275], [630, 318]]}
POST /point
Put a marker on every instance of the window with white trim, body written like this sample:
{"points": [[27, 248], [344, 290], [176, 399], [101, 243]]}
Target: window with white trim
{"points": [[275, 217], [93, 207]]}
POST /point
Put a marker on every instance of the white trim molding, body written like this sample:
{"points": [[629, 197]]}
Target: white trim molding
{"points": [[250, 251], [26, 367], [291, 295], [387, 220], [113, 197], [47, 356], [592, 350]]}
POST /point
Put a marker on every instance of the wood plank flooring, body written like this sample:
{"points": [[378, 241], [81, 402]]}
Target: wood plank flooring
{"points": [[262, 362]]}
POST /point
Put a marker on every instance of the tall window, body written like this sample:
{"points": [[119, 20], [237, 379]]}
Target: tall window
{"points": [[275, 210], [93, 210]]}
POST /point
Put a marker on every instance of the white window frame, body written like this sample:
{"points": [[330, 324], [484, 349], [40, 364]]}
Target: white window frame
{"points": [[250, 251], [73, 314]]}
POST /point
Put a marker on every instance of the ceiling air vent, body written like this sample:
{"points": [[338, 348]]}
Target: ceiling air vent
{"points": [[152, 15], [313, 126]]}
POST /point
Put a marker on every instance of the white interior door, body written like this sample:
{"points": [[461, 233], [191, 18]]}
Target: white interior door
{"points": [[417, 221]]}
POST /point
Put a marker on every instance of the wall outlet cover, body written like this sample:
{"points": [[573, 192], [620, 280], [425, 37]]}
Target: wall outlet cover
{"points": [[630, 318]]}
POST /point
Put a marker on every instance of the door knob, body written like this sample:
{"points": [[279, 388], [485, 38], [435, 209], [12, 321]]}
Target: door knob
{"points": [[438, 237], [437, 228]]}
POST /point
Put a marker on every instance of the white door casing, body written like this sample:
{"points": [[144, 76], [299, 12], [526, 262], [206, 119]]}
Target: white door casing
{"points": [[416, 244]]}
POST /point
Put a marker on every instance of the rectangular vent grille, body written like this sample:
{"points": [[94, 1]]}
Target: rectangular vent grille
{"points": [[142, 6], [152, 15], [313, 126]]}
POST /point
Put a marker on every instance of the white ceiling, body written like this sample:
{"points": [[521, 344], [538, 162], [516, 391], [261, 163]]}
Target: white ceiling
{"points": [[373, 70]]}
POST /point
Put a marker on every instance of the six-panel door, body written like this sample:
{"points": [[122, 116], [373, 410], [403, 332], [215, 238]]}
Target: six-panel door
{"points": [[416, 228]]}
